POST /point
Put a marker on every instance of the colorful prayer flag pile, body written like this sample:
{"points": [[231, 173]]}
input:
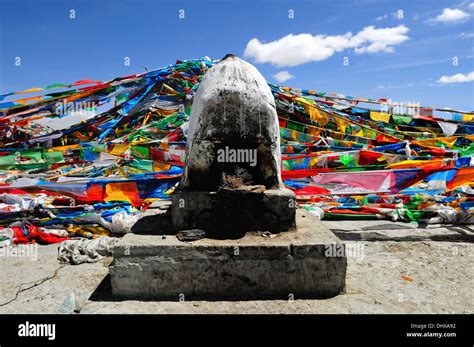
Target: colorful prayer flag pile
{"points": [[86, 159]]}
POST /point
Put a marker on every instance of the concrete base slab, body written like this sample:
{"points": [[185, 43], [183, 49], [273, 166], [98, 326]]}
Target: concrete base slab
{"points": [[308, 261], [39, 284]]}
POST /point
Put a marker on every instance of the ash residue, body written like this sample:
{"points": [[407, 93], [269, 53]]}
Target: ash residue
{"points": [[231, 181], [237, 178]]}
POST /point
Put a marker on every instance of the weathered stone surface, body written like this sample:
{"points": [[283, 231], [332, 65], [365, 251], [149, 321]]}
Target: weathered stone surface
{"points": [[383, 230], [441, 272], [42, 285], [233, 107], [231, 183], [191, 235], [229, 213], [293, 262]]}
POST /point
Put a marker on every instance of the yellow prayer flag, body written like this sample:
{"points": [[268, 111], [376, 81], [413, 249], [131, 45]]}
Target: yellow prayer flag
{"points": [[24, 101], [316, 115], [448, 141], [31, 90], [425, 143], [467, 117], [313, 131], [64, 148], [416, 164], [157, 167], [380, 116], [341, 123], [122, 191], [119, 149]]}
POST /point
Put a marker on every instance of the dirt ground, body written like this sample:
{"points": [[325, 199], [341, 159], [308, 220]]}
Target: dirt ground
{"points": [[392, 268]]}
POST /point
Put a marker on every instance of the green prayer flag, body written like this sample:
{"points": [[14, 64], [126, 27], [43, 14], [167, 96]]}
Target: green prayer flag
{"points": [[53, 157], [141, 152], [58, 85], [400, 119]]}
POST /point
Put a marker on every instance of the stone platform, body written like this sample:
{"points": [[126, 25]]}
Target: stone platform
{"points": [[307, 262]]}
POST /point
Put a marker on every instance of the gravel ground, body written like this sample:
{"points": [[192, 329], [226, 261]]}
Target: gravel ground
{"points": [[434, 274]]}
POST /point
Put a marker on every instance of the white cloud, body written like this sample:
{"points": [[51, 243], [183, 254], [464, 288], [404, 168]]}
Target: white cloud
{"points": [[452, 16], [471, 6], [394, 15], [457, 78], [292, 50], [466, 35], [283, 76]]}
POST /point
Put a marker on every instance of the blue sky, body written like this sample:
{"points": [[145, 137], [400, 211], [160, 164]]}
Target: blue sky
{"points": [[404, 63]]}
